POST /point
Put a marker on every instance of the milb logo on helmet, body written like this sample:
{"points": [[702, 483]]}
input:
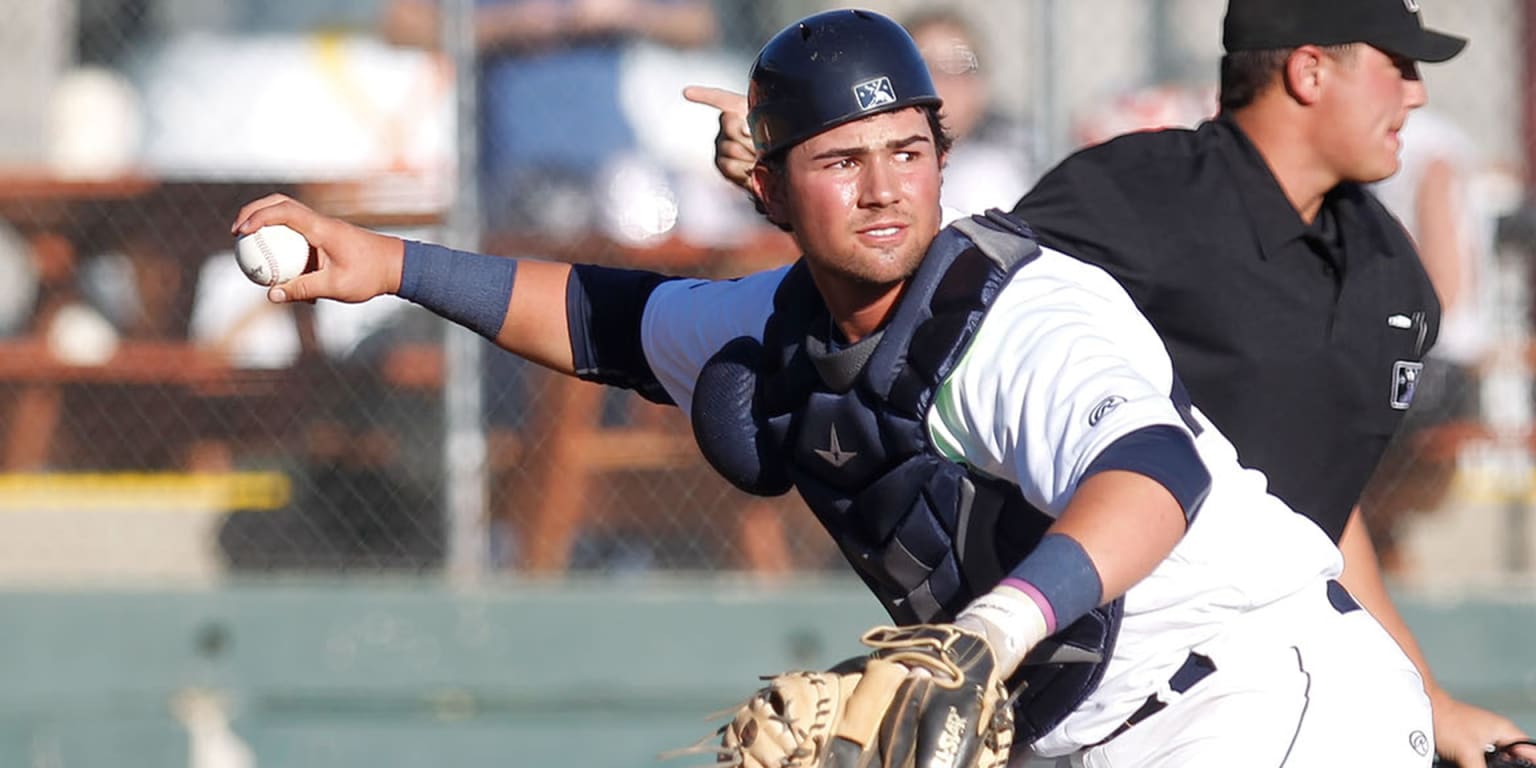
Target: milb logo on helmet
{"points": [[874, 93]]}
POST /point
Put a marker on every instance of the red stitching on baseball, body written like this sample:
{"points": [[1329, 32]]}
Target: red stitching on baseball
{"points": [[261, 243]]}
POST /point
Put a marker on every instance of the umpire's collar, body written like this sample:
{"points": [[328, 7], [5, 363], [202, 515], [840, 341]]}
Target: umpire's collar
{"points": [[1274, 219]]}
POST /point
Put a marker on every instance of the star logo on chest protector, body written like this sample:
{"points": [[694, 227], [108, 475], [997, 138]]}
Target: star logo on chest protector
{"points": [[834, 454]]}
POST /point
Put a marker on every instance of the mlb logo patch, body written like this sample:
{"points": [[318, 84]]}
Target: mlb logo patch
{"points": [[874, 93], [1405, 379]]}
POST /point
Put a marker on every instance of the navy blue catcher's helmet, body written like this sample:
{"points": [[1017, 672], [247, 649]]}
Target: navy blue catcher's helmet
{"points": [[829, 69]]}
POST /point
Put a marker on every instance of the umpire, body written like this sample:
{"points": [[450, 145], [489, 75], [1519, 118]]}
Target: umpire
{"points": [[1292, 303]]}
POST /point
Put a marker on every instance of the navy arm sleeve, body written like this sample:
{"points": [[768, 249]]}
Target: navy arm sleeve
{"points": [[604, 307]]}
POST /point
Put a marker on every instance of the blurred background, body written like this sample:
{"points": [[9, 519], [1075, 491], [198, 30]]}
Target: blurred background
{"points": [[234, 534]]}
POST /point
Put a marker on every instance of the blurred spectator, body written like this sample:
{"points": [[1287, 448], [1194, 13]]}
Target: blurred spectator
{"points": [[561, 156], [989, 166], [551, 115], [38, 47], [1432, 195], [1152, 108], [109, 31]]}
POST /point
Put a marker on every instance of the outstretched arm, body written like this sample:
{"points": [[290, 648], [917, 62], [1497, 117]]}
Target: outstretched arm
{"points": [[1462, 731], [355, 265]]}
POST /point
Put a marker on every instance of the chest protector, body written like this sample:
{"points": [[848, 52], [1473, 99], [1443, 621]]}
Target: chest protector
{"points": [[846, 427]]}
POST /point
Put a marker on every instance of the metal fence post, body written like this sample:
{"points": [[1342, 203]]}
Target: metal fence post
{"points": [[465, 471]]}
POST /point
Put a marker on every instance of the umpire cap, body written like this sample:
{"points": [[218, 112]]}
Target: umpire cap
{"points": [[832, 68], [1393, 26]]}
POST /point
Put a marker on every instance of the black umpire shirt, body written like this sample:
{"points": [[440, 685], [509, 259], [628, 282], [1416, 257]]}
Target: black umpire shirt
{"points": [[1302, 343]]}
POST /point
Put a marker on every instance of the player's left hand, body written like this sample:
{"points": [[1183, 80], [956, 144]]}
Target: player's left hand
{"points": [[927, 697], [734, 153], [953, 709], [1463, 732]]}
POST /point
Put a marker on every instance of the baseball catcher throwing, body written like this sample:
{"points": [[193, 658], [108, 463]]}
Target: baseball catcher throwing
{"points": [[990, 431]]}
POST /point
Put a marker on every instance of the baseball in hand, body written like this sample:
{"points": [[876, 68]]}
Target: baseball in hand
{"points": [[272, 254]]}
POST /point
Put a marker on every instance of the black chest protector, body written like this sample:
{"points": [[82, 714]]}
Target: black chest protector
{"points": [[846, 427]]}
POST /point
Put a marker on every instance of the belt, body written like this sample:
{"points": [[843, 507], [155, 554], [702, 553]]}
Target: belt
{"points": [[1197, 667]]}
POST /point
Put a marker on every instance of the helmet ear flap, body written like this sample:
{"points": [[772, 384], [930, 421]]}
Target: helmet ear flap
{"points": [[831, 68], [726, 425]]}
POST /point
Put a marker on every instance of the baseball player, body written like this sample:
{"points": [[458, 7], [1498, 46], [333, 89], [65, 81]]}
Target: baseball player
{"points": [[989, 430], [1266, 267]]}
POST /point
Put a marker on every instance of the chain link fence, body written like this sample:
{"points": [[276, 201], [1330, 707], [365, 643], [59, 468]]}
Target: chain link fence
{"points": [[160, 421]]}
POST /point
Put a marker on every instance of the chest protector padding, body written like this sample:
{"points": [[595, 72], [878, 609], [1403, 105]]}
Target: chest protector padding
{"points": [[846, 427]]}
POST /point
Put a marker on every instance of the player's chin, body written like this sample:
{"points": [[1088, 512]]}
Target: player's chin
{"points": [[891, 266]]}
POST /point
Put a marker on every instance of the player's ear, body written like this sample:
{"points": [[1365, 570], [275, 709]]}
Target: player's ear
{"points": [[1304, 73], [769, 188]]}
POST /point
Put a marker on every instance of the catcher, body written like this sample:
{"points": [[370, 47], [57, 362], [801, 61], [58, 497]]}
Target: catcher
{"points": [[990, 431]]}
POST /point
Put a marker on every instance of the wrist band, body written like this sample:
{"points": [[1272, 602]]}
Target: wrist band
{"points": [[1060, 577], [471, 289], [1010, 620]]}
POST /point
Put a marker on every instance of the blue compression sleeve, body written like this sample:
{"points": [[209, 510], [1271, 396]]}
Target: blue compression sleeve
{"points": [[471, 289], [1061, 580]]}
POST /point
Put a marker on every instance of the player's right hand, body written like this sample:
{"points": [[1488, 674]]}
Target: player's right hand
{"points": [[1462, 730], [734, 153], [354, 264]]}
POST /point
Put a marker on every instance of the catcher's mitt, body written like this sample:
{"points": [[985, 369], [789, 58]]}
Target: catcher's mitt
{"points": [[927, 697], [1501, 757], [1504, 756]]}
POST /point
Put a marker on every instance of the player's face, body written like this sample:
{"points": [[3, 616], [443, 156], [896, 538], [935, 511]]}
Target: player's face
{"points": [[863, 198], [1369, 96]]}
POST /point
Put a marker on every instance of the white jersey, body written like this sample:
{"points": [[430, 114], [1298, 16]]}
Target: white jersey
{"points": [[1062, 366]]}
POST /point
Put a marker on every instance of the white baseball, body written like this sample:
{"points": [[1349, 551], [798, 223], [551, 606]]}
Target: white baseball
{"points": [[272, 254]]}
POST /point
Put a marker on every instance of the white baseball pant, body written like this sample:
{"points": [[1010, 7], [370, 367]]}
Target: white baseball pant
{"points": [[1311, 681]]}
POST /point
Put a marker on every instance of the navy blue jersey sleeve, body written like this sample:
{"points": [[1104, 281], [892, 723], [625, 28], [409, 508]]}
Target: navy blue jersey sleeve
{"points": [[604, 307], [1164, 454]]}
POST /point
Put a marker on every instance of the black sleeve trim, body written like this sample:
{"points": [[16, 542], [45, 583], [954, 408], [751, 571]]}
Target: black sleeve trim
{"points": [[604, 307]]}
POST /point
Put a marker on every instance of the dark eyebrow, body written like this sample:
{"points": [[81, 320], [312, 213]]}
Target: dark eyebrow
{"points": [[915, 138]]}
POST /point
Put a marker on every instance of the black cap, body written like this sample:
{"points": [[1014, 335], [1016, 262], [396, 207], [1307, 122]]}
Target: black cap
{"points": [[832, 68], [1392, 26]]}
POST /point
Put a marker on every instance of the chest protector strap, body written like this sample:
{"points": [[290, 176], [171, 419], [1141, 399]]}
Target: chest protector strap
{"points": [[845, 426]]}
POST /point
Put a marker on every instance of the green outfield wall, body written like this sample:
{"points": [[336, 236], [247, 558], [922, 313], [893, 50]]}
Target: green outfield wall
{"points": [[405, 674]]}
